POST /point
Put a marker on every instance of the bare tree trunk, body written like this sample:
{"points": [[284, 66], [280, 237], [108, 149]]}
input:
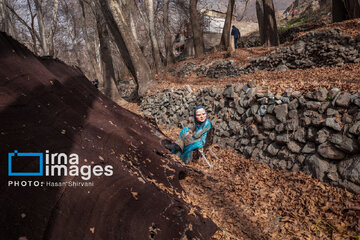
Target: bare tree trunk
{"points": [[196, 29], [6, 24], [89, 48], [31, 29], [72, 31], [345, 9], [133, 27], [270, 26], [110, 88], [260, 18], [40, 19], [53, 28], [170, 59], [225, 37], [154, 43], [3, 16], [338, 11], [129, 50], [32, 32], [267, 26]]}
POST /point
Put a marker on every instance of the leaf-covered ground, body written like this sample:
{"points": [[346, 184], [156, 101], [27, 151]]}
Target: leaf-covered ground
{"points": [[248, 200], [346, 77]]}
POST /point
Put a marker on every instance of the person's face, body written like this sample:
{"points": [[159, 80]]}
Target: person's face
{"points": [[200, 115]]}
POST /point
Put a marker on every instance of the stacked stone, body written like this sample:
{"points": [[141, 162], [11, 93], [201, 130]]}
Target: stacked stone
{"points": [[314, 49], [317, 132]]}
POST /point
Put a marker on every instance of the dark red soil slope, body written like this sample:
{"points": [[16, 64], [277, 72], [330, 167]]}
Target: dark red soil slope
{"points": [[47, 105]]}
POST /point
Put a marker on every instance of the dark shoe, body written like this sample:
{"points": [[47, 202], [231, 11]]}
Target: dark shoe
{"points": [[163, 142], [173, 146], [196, 155]]}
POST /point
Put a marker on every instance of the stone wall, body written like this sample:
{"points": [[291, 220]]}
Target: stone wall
{"points": [[313, 49], [316, 132]]}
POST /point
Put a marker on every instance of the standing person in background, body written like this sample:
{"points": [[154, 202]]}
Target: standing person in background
{"points": [[293, 13], [287, 15], [236, 33]]}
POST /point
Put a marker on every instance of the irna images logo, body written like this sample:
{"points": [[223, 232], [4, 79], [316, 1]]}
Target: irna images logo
{"points": [[15, 157], [53, 164]]}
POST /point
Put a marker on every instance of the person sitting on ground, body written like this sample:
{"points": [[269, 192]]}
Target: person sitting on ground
{"points": [[236, 33], [189, 140]]}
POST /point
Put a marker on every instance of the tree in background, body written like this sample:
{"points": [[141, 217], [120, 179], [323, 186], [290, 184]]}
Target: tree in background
{"points": [[196, 29], [129, 50], [265, 11], [92, 56], [110, 88], [345, 9], [70, 30], [6, 25], [225, 37], [170, 59], [260, 18], [40, 20], [154, 43]]}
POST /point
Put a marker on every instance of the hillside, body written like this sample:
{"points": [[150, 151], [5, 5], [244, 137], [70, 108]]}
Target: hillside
{"points": [[245, 197], [47, 105], [286, 120]]}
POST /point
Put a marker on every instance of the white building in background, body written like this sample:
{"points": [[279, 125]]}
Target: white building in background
{"points": [[213, 20], [213, 24]]}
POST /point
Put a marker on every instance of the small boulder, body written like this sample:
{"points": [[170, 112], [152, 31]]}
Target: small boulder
{"points": [[343, 100], [328, 151]]}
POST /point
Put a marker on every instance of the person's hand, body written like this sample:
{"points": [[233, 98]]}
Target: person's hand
{"points": [[187, 139]]}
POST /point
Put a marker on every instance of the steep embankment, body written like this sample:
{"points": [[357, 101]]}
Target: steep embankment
{"points": [[47, 105]]}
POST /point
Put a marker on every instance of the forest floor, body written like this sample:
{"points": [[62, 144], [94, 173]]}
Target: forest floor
{"points": [[249, 200]]}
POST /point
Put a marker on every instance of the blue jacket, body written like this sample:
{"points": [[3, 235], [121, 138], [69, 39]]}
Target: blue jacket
{"points": [[235, 31], [198, 140]]}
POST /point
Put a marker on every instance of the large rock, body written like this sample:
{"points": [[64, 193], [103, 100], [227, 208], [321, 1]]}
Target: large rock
{"points": [[309, 147], [344, 143], [332, 123], [312, 105], [333, 92], [300, 135], [350, 170], [292, 124], [269, 122], [328, 151], [294, 147], [343, 100], [355, 129], [320, 94], [229, 91], [282, 138], [273, 149], [322, 135], [317, 166], [281, 112]]}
